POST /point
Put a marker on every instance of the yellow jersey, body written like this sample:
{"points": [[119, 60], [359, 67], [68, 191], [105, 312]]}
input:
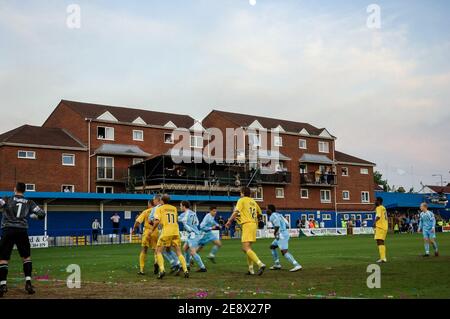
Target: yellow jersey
{"points": [[143, 218], [381, 213], [168, 220], [248, 210]]}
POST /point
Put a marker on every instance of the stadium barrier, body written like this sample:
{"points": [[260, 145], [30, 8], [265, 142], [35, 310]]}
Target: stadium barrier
{"points": [[81, 237]]}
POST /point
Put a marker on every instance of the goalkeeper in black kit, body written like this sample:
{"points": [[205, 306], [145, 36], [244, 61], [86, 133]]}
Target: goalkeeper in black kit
{"points": [[15, 232]]}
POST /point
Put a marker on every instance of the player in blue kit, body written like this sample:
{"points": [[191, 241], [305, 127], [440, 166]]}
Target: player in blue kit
{"points": [[427, 226], [207, 226], [190, 222], [281, 240]]}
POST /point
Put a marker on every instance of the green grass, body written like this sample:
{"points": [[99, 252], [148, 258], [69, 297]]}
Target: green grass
{"points": [[334, 267]]}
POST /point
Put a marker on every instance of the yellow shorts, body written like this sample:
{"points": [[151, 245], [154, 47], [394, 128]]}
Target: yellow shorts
{"points": [[248, 232], [149, 242], [154, 239], [380, 234], [169, 241]]}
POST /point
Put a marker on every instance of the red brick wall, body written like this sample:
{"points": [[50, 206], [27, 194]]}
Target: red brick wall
{"points": [[355, 183], [46, 172]]}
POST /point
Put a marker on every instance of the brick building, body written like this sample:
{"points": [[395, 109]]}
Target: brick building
{"points": [[314, 175], [86, 147]]}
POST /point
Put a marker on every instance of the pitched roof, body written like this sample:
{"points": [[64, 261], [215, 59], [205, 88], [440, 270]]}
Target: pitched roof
{"points": [[346, 158], [245, 120], [36, 135], [440, 189], [128, 115]]}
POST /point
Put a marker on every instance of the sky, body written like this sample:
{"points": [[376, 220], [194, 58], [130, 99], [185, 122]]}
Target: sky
{"points": [[384, 92]]}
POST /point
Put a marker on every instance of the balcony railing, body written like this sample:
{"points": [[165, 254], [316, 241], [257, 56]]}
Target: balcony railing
{"points": [[314, 179], [275, 178]]}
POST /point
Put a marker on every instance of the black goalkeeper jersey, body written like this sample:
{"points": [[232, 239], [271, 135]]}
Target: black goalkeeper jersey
{"points": [[16, 209]]}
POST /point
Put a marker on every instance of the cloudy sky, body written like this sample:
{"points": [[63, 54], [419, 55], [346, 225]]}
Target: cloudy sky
{"points": [[383, 92]]}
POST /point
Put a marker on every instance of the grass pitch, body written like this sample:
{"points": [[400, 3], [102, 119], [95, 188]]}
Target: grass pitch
{"points": [[334, 267]]}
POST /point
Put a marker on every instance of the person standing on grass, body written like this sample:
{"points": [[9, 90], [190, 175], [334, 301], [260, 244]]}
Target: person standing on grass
{"points": [[427, 226], [15, 232], [247, 213], [381, 228], [95, 230], [115, 219]]}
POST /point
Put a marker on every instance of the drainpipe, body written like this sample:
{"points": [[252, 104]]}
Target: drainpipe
{"points": [[101, 216], [335, 187], [45, 219], [89, 156]]}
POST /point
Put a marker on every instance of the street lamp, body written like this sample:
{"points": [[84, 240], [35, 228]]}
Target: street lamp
{"points": [[442, 179]]}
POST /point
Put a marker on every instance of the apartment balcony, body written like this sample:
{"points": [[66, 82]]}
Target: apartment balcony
{"points": [[319, 180], [277, 178], [112, 175]]}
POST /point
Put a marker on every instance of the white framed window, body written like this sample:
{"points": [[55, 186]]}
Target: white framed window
{"points": [[325, 196], [346, 195], [138, 135], [30, 187], [254, 140], [68, 188], [364, 171], [168, 138], [346, 216], [26, 155], [105, 168], [369, 217], [311, 216], [279, 192], [105, 133], [365, 197], [68, 160], [326, 216], [302, 144], [304, 193], [344, 171], [324, 147], [196, 141], [303, 168], [258, 195], [137, 160], [105, 189], [278, 141]]}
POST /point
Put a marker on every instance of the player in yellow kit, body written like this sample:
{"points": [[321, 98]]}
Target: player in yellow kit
{"points": [[381, 228], [247, 213], [147, 236], [166, 216]]}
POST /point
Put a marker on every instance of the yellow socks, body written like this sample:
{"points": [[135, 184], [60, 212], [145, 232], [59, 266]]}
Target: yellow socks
{"points": [[183, 262], [252, 256], [160, 259], [142, 259], [250, 264], [382, 250]]}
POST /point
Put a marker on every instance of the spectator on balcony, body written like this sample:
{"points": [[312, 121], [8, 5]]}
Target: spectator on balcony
{"points": [[318, 175], [328, 176], [115, 219]]}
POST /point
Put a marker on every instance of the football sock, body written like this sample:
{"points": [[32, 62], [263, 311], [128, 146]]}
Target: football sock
{"points": [[27, 269], [291, 259], [3, 274], [251, 254], [142, 259], [174, 257], [168, 258], [160, 259], [155, 260], [183, 262], [276, 259], [250, 264], [435, 246], [427, 248], [187, 256], [214, 250], [382, 250], [199, 261]]}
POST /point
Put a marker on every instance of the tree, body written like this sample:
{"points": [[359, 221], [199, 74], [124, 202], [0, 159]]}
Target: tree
{"points": [[378, 179]]}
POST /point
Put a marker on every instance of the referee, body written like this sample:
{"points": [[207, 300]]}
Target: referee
{"points": [[15, 232]]}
